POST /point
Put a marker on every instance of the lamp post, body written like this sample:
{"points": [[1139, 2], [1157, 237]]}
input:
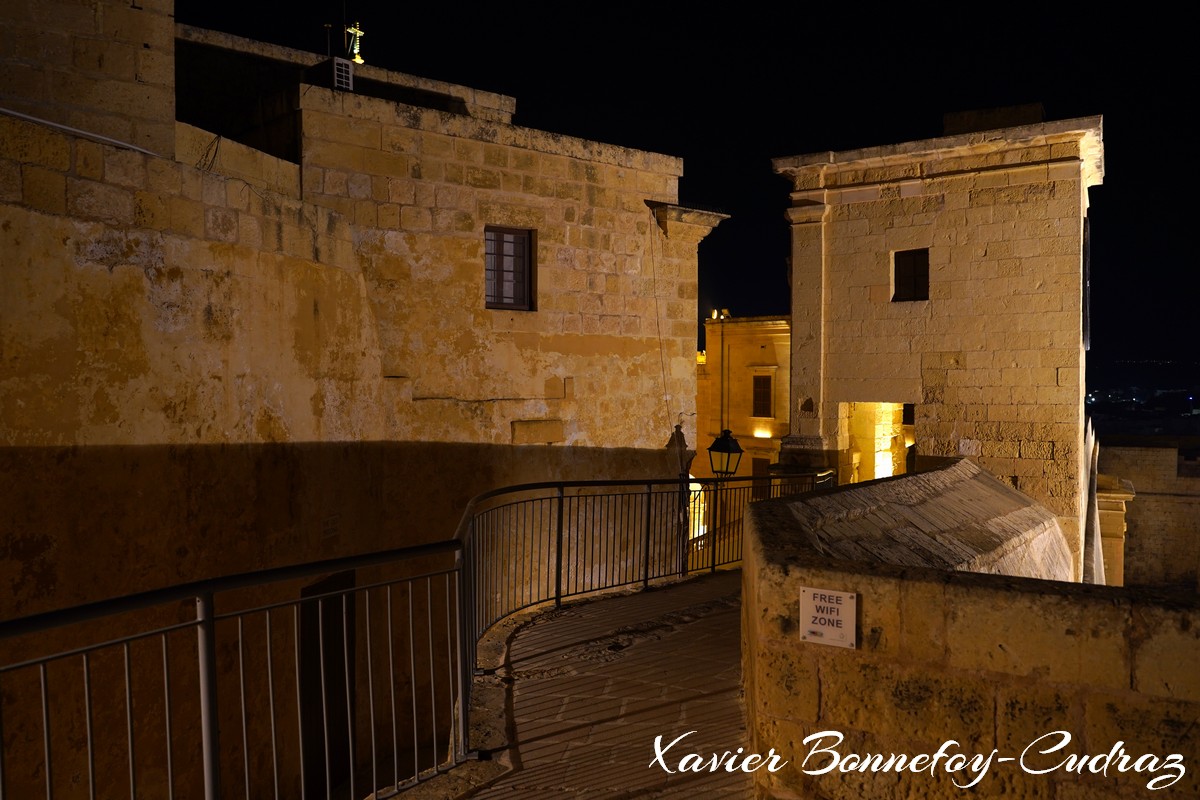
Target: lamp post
{"points": [[677, 443], [724, 454]]}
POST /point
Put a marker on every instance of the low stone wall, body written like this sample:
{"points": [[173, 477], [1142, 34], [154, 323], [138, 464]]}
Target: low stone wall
{"points": [[957, 516], [1028, 688], [1162, 545]]}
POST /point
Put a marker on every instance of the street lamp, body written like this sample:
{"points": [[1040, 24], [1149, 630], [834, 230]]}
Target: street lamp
{"points": [[724, 454]]}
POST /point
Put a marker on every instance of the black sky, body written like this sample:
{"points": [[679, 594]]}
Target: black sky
{"points": [[729, 91]]}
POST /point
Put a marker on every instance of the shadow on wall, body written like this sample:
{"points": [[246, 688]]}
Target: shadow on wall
{"points": [[88, 523]]}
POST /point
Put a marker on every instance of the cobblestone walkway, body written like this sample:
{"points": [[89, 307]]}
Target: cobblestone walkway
{"points": [[593, 684]]}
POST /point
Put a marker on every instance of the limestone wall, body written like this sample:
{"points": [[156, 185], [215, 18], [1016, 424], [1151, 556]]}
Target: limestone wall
{"points": [[615, 289], [994, 359], [105, 67], [984, 663], [737, 350], [226, 371], [230, 362], [1162, 540], [149, 302]]}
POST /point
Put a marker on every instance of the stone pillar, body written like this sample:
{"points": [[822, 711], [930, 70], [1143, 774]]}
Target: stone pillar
{"points": [[1111, 496], [813, 441]]}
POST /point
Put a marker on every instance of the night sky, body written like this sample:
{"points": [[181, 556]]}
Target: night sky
{"points": [[729, 92]]}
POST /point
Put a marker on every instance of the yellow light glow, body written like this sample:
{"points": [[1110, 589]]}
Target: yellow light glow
{"points": [[762, 433], [883, 464]]}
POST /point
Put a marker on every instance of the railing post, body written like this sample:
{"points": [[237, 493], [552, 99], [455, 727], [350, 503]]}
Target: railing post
{"points": [[466, 657], [685, 523], [2, 794], [646, 554], [207, 656], [712, 550], [558, 548]]}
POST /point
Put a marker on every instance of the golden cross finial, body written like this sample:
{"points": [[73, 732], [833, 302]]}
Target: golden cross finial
{"points": [[356, 34]]}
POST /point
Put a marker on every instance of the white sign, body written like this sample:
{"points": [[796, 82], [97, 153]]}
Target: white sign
{"points": [[828, 617]]}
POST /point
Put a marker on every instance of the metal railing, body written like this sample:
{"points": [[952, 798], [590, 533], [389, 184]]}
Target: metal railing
{"points": [[538, 543], [269, 684], [348, 686]]}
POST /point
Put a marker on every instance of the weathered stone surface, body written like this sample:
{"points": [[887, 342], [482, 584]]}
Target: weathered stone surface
{"points": [[1041, 671], [998, 342], [959, 517], [1162, 543], [227, 361]]}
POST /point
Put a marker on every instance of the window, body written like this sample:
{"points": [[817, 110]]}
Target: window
{"points": [[763, 407], [509, 268], [910, 275]]}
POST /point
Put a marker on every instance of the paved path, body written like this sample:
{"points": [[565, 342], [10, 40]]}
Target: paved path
{"points": [[595, 683]]}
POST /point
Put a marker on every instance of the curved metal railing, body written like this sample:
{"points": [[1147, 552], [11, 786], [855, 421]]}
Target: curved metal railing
{"points": [[357, 684]]}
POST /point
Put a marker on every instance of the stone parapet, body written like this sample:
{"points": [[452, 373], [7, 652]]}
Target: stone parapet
{"points": [[980, 664], [1162, 538]]}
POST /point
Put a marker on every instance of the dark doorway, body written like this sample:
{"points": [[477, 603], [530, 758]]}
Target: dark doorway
{"points": [[760, 468], [327, 663]]}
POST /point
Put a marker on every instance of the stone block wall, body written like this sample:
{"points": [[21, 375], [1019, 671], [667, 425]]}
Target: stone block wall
{"points": [[994, 359], [1162, 539], [230, 362], [974, 663], [106, 68], [200, 355], [606, 356], [148, 301]]}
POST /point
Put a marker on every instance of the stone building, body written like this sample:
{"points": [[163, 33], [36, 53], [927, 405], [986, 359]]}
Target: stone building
{"points": [[946, 277], [742, 386], [260, 307], [1162, 523]]}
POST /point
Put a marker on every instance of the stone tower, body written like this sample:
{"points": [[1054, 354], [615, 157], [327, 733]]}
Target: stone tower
{"points": [[945, 280]]}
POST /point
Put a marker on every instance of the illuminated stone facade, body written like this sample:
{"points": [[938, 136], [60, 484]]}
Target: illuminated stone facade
{"points": [[742, 385], [207, 320], [948, 274], [248, 320]]}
